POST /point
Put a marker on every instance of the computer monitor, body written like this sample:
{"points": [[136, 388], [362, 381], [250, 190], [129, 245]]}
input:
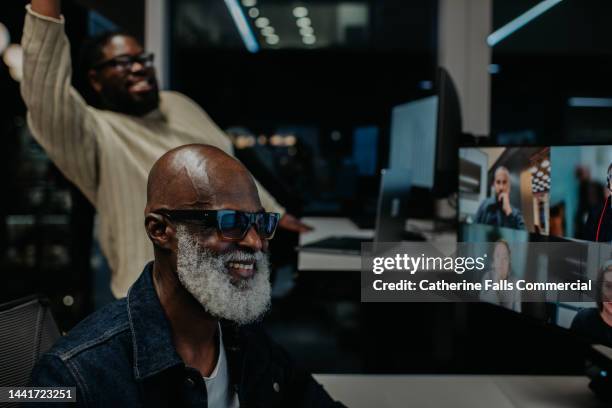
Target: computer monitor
{"points": [[413, 140], [392, 211], [425, 136], [449, 132], [557, 196], [391, 214]]}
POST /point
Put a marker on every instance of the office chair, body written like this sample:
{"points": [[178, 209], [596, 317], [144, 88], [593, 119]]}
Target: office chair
{"points": [[27, 330]]}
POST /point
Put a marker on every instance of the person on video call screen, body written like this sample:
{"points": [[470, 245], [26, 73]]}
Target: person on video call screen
{"points": [[501, 271], [599, 222], [596, 322], [497, 210]]}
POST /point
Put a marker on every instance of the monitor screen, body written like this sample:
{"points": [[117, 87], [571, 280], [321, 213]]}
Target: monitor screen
{"points": [[425, 135], [496, 180], [413, 140], [552, 194], [579, 191]]}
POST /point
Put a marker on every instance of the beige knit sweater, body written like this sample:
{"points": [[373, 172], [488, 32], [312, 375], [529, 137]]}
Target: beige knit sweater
{"points": [[107, 154]]}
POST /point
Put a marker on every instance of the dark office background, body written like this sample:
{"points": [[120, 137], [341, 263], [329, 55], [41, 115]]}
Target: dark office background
{"points": [[565, 53], [316, 99]]}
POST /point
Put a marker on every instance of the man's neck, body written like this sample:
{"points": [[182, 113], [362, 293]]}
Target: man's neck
{"points": [[193, 329]]}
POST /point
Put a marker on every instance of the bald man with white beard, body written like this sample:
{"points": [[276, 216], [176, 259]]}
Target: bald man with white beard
{"points": [[185, 334]]}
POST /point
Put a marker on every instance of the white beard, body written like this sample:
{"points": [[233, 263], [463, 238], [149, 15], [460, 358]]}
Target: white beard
{"points": [[204, 274]]}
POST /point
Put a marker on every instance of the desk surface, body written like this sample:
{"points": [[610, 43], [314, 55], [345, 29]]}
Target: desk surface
{"points": [[325, 227], [459, 391]]}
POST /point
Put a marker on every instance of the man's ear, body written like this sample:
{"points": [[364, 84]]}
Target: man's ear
{"points": [[94, 81], [159, 232]]}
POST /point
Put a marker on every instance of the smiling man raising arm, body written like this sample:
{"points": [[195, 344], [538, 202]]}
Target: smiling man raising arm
{"points": [[107, 151]]}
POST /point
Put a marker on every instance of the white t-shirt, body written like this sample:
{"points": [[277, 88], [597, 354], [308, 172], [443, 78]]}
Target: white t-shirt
{"points": [[217, 385]]}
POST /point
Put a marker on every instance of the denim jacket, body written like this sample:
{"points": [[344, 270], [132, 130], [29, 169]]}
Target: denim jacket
{"points": [[490, 212], [123, 356]]}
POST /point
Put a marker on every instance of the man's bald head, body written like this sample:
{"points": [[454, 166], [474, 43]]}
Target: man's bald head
{"points": [[501, 180], [228, 277], [502, 171], [202, 177]]}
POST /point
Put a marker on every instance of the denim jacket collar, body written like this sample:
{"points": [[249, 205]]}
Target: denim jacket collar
{"points": [[153, 347]]}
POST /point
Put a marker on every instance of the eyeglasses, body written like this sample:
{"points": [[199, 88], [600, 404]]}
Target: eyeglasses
{"points": [[125, 62], [232, 224]]}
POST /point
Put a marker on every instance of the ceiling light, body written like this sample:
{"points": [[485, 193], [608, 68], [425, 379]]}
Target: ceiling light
{"points": [[306, 31], [249, 3], [533, 169], [261, 22], [5, 38], [545, 163], [303, 22], [521, 21], [254, 12], [272, 39], [299, 12], [311, 39], [579, 102], [269, 30], [242, 24], [539, 174]]}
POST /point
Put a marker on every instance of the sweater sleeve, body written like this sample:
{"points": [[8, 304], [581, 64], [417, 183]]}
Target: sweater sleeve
{"points": [[58, 117]]}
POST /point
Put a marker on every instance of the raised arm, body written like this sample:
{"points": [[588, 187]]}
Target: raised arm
{"points": [[58, 117], [49, 8]]}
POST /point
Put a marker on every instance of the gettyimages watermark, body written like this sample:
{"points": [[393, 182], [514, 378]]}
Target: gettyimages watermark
{"points": [[499, 272]]}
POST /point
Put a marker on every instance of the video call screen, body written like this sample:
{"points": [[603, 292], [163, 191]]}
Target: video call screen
{"points": [[518, 195]]}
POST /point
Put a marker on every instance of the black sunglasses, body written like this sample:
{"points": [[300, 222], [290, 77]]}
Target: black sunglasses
{"points": [[232, 224], [125, 62]]}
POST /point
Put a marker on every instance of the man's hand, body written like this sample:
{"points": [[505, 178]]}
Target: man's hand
{"points": [[291, 223], [504, 199], [50, 8]]}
